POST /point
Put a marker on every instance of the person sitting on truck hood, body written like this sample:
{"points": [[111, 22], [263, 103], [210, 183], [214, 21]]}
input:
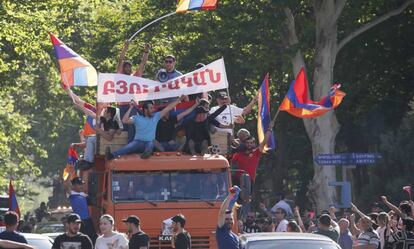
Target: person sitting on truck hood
{"points": [[145, 129]]}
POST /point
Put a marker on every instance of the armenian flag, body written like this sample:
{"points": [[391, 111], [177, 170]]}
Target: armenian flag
{"points": [[189, 5], [263, 115], [74, 70], [70, 162], [13, 205], [297, 103]]}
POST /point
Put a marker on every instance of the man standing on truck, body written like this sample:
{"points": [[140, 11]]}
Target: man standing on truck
{"points": [[226, 239], [181, 238], [79, 203], [138, 239], [145, 129]]}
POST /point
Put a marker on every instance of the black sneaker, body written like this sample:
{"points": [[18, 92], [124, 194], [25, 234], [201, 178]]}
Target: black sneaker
{"points": [[146, 155], [108, 154]]}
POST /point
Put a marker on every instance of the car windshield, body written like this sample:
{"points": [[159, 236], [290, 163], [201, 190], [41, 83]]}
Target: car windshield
{"points": [[169, 185], [290, 244]]}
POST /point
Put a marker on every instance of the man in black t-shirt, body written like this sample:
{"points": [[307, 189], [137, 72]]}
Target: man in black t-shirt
{"points": [[73, 239], [11, 220], [166, 130], [181, 238], [138, 239], [250, 225]]}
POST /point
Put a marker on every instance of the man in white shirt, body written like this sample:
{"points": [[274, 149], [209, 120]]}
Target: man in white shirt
{"points": [[232, 114]]}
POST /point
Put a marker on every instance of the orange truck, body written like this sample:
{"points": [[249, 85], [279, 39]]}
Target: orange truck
{"points": [[158, 188]]}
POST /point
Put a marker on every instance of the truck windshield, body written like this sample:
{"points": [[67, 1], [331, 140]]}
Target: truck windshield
{"points": [[169, 186]]}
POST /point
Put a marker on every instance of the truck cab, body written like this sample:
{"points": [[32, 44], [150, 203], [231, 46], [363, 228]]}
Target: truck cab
{"points": [[158, 188]]}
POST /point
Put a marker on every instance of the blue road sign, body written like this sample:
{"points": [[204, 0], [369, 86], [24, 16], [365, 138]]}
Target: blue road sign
{"points": [[347, 159]]}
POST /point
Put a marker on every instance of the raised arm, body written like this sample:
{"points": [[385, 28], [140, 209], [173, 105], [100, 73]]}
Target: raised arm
{"points": [[188, 111], [80, 104], [392, 207], [119, 68], [171, 106], [223, 208], [352, 227], [248, 108], [144, 59], [125, 118], [356, 210], [299, 218], [268, 134]]}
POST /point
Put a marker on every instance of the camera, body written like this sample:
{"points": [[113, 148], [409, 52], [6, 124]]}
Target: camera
{"points": [[162, 75]]}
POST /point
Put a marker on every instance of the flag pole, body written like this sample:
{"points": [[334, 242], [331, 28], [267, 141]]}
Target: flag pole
{"points": [[274, 118], [231, 115], [149, 24]]}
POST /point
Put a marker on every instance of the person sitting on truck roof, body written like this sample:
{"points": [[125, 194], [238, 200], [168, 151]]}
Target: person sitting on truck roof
{"points": [[145, 127], [79, 202], [11, 221], [165, 134], [198, 129], [125, 67], [90, 128]]}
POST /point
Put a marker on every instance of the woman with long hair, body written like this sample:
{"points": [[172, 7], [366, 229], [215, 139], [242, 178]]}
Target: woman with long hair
{"points": [[110, 239]]}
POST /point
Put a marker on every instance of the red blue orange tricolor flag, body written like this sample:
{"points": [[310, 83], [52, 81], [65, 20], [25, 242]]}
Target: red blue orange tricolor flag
{"points": [[263, 115], [189, 5], [70, 162], [13, 205], [297, 103], [74, 70]]}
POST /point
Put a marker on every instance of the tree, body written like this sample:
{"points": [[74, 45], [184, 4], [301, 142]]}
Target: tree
{"points": [[322, 131]]}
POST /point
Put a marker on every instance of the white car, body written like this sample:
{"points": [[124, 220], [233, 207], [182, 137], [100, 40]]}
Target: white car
{"points": [[38, 241], [286, 241]]}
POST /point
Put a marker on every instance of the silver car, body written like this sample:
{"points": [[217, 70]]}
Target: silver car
{"points": [[286, 241], [38, 241]]}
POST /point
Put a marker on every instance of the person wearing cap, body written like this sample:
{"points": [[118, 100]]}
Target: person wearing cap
{"points": [[181, 238], [145, 127], [223, 99], [72, 238], [110, 239], [137, 238], [125, 67], [198, 128], [165, 134], [79, 203]]}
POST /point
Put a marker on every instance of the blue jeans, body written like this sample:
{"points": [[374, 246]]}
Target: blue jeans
{"points": [[130, 128], [169, 147], [89, 154], [136, 146]]}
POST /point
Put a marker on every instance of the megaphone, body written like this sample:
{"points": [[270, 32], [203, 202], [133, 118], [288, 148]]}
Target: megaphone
{"points": [[162, 75]]}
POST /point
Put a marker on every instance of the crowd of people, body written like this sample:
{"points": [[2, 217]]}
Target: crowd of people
{"points": [[376, 230]]}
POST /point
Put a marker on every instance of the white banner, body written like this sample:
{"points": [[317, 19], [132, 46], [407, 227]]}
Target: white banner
{"points": [[123, 88]]}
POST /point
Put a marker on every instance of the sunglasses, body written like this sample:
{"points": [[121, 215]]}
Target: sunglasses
{"points": [[168, 61]]}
